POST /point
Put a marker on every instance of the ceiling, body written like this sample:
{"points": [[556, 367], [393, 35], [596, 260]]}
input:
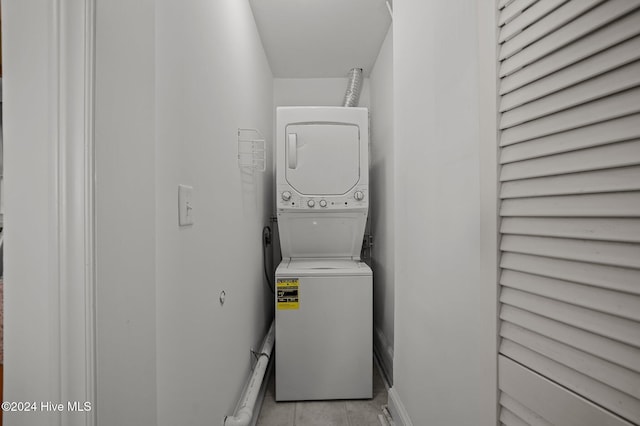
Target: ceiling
{"points": [[320, 38]]}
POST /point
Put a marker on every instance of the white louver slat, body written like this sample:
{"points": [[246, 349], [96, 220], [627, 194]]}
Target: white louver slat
{"points": [[603, 133], [514, 9], [598, 158], [595, 88], [545, 40], [626, 179], [537, 31], [570, 212], [591, 44], [597, 64], [603, 109], [503, 3], [528, 17], [606, 229]]}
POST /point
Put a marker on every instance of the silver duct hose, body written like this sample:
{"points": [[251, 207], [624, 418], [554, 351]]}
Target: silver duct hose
{"points": [[352, 95]]}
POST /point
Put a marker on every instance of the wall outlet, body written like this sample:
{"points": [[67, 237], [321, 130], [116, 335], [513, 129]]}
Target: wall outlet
{"points": [[185, 205]]}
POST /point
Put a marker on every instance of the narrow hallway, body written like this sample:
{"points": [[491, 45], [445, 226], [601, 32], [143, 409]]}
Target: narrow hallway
{"points": [[178, 176]]}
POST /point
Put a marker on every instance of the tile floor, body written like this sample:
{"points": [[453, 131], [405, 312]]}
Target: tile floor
{"points": [[324, 413]]}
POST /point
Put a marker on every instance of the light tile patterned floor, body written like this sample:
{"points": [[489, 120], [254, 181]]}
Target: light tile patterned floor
{"points": [[324, 413]]}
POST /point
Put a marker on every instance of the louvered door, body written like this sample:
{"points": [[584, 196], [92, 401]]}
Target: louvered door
{"points": [[570, 212]]}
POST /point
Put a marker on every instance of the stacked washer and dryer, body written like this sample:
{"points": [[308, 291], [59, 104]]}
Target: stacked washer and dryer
{"points": [[324, 295]]}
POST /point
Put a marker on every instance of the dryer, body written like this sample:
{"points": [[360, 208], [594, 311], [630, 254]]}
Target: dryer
{"points": [[324, 305]]}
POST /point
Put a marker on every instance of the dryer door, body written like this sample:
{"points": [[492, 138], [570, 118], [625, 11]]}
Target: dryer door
{"points": [[322, 158]]}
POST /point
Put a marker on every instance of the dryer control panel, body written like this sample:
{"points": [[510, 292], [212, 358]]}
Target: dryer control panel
{"points": [[289, 199]]}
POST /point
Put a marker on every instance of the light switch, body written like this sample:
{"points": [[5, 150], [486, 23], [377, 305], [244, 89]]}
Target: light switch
{"points": [[185, 205]]}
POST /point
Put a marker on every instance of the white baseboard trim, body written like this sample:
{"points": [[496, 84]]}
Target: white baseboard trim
{"points": [[384, 353], [397, 410]]}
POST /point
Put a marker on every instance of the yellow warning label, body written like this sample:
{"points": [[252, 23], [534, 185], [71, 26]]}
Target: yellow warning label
{"points": [[288, 296]]}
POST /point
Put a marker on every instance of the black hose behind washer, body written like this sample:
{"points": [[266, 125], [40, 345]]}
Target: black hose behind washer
{"points": [[266, 240]]}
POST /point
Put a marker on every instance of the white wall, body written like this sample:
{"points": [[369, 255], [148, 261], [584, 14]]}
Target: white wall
{"points": [[30, 228], [315, 91], [383, 200], [445, 317], [212, 77], [171, 93], [125, 213]]}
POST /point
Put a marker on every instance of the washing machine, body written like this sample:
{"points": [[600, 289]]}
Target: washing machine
{"points": [[324, 295]]}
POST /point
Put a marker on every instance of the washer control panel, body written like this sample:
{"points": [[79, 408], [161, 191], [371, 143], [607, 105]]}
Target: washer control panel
{"points": [[287, 198]]}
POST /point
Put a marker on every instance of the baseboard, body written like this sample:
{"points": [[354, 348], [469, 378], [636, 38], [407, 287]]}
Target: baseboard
{"points": [[384, 353], [396, 408]]}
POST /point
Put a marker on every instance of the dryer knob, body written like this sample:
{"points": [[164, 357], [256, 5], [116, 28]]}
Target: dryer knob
{"points": [[323, 203], [359, 195], [286, 195], [311, 203]]}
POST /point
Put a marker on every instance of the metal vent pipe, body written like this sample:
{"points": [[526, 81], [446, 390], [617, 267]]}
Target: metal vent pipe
{"points": [[352, 95]]}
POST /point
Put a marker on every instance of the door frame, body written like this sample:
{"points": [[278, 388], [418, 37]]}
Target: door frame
{"points": [[73, 80]]}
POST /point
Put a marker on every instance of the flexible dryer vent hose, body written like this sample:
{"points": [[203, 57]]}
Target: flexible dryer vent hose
{"points": [[352, 95]]}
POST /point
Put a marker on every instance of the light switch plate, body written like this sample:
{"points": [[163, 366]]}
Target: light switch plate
{"points": [[185, 205]]}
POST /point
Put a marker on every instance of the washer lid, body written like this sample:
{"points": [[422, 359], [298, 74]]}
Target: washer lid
{"points": [[323, 263], [321, 234], [322, 157], [322, 267]]}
